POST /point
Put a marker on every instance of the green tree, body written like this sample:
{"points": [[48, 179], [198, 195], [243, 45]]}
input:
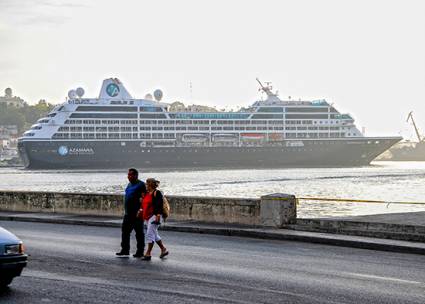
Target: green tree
{"points": [[10, 115], [25, 116]]}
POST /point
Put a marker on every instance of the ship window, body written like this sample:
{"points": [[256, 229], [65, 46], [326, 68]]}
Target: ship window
{"points": [[306, 116], [76, 135], [106, 109], [103, 115], [151, 109], [146, 115], [260, 122], [209, 115], [267, 116], [307, 109], [270, 109], [225, 122]]}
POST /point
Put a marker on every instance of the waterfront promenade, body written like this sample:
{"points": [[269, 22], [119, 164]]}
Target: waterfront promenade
{"points": [[381, 241], [76, 264], [269, 217], [222, 250]]}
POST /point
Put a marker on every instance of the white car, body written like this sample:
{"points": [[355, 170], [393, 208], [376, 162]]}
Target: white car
{"points": [[12, 257]]}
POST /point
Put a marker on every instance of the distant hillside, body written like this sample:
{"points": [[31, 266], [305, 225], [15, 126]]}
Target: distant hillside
{"points": [[23, 117]]}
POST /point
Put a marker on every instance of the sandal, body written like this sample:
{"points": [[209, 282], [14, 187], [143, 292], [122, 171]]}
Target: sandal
{"points": [[164, 254], [146, 258]]}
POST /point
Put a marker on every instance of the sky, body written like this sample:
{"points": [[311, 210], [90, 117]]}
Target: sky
{"points": [[365, 57]]}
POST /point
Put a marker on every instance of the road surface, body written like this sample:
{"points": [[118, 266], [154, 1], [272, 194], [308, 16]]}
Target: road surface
{"points": [[76, 264]]}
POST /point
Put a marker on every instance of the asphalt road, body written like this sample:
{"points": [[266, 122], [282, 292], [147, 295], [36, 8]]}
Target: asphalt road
{"points": [[76, 264]]}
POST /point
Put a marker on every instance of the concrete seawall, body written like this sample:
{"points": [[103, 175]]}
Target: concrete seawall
{"points": [[204, 209]]}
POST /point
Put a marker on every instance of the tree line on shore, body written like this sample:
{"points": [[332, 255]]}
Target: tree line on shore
{"points": [[23, 117]]}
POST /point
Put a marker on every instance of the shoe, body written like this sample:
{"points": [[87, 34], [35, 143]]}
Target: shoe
{"points": [[122, 254], [146, 258], [164, 254], [138, 255]]}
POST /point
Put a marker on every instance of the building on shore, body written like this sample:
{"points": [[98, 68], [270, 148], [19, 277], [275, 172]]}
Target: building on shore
{"points": [[8, 136], [11, 100]]}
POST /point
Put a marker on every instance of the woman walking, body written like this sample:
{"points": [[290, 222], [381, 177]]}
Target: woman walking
{"points": [[153, 206]]}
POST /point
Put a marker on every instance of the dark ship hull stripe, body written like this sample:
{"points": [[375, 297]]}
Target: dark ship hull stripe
{"points": [[123, 154]]}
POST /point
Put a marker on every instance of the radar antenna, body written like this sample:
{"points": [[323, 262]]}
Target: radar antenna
{"points": [[410, 117]]}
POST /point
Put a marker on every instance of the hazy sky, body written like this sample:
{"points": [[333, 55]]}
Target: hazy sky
{"points": [[366, 57]]}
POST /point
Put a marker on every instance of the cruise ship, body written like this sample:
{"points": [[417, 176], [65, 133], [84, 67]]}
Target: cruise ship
{"points": [[116, 130]]}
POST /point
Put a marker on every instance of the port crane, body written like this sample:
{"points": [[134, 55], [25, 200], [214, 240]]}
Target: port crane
{"points": [[410, 117]]}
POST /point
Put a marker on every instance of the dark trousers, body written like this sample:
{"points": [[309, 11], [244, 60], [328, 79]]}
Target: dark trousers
{"points": [[129, 224]]}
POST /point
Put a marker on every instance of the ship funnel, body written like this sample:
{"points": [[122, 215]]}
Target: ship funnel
{"points": [[113, 88]]}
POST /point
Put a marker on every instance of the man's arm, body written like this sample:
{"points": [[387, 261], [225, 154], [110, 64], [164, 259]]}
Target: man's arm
{"points": [[143, 188]]}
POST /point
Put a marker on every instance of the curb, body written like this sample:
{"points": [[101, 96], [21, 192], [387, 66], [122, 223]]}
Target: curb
{"points": [[282, 234]]}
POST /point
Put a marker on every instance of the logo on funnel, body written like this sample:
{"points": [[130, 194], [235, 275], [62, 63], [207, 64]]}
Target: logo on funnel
{"points": [[112, 89]]}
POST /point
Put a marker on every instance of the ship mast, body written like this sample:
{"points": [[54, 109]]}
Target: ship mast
{"points": [[410, 116], [266, 89]]}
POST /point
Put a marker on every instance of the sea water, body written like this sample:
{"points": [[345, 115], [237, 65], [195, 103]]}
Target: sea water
{"points": [[386, 181]]}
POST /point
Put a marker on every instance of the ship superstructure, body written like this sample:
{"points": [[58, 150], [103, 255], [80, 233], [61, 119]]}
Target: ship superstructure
{"points": [[118, 130]]}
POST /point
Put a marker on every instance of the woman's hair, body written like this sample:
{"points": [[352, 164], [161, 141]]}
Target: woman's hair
{"points": [[153, 183]]}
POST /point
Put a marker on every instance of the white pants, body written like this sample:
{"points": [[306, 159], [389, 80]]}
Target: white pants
{"points": [[152, 230]]}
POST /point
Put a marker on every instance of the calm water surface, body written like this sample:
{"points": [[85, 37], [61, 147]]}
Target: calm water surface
{"points": [[388, 181]]}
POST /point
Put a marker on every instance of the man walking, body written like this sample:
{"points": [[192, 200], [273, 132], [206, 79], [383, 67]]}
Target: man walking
{"points": [[131, 221]]}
